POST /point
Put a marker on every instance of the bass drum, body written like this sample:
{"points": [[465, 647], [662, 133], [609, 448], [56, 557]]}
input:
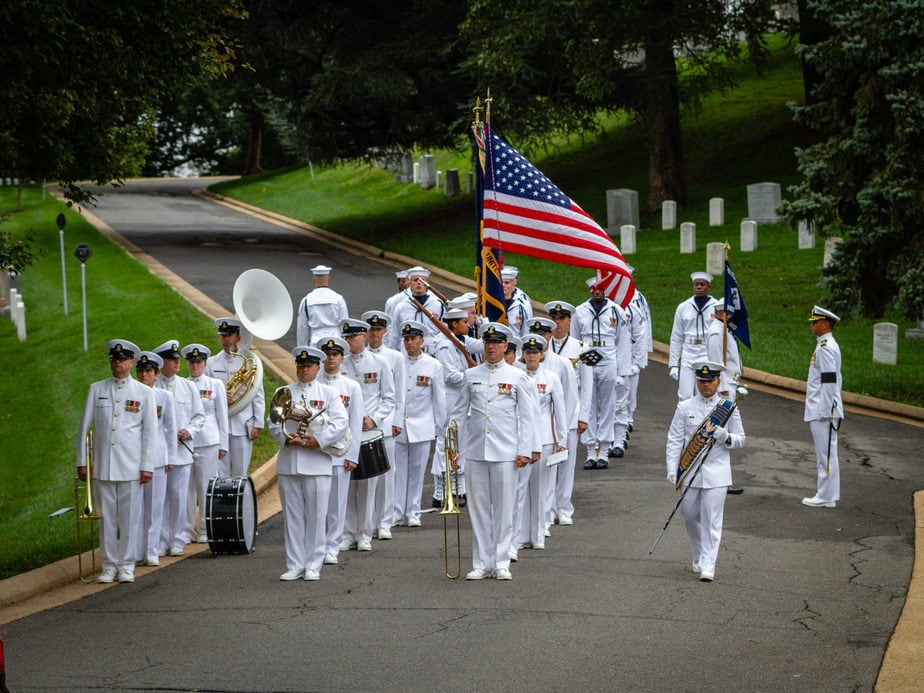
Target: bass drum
{"points": [[373, 460], [231, 514]]}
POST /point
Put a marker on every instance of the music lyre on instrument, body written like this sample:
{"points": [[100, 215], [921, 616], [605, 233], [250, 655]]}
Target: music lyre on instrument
{"points": [[88, 514], [450, 506]]}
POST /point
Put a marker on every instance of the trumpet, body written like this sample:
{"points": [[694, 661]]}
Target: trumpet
{"points": [[450, 506], [88, 514]]}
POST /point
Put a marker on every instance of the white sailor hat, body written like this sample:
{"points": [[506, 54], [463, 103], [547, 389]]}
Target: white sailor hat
{"points": [[168, 350], [496, 332], [228, 325], [701, 276], [121, 349], [352, 326], [333, 344], [376, 318], [533, 342], [463, 301], [196, 352], [707, 370], [412, 328], [819, 313], [510, 272], [555, 308], [513, 343], [592, 282], [401, 274], [307, 356], [454, 314], [418, 271], [718, 306], [319, 270], [148, 359], [541, 325]]}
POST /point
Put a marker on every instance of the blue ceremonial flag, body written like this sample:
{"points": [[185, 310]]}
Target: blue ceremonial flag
{"points": [[488, 261], [735, 309]]}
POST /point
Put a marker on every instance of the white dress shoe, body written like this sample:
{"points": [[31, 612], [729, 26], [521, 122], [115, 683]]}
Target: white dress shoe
{"points": [[292, 575], [126, 576], [203, 538], [695, 567], [478, 574], [177, 551], [162, 551], [538, 547], [707, 576], [312, 575], [384, 534], [413, 522], [330, 559], [107, 576], [816, 502], [364, 545], [347, 545], [513, 556], [548, 533], [503, 574], [565, 519]]}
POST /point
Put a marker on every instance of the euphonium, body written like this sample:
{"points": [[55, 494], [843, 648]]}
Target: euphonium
{"points": [[88, 514], [450, 507], [307, 420]]}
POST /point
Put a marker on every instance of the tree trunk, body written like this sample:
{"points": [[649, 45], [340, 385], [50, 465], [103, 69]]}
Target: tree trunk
{"points": [[252, 163], [665, 143], [811, 31]]}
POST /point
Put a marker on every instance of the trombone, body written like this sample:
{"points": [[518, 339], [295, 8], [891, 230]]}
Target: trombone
{"points": [[450, 506], [88, 514]]}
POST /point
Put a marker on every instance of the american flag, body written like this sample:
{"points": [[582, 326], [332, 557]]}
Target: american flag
{"points": [[524, 212]]}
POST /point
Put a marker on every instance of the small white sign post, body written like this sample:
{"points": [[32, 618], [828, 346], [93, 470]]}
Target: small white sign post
{"points": [[61, 221], [82, 252]]}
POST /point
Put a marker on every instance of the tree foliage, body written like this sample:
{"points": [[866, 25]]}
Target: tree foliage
{"points": [[864, 181]]}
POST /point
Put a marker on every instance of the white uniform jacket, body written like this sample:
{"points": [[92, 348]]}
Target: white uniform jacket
{"points": [[166, 424], [188, 409], [215, 406], [222, 366], [395, 360], [294, 459], [823, 386], [570, 347], [599, 329], [730, 357], [373, 375], [688, 334], [454, 367], [424, 411], [320, 314], [642, 340], [496, 412], [123, 414], [716, 469], [406, 310], [352, 397], [550, 430]]}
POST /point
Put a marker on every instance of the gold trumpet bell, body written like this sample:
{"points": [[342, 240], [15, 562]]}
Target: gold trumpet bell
{"points": [[450, 506]]}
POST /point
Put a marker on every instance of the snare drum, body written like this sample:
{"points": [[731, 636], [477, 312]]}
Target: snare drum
{"points": [[231, 514], [373, 460]]}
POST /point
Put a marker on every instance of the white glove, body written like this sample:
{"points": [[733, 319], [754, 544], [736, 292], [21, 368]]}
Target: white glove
{"points": [[635, 369], [674, 373], [672, 477], [720, 435], [620, 380]]}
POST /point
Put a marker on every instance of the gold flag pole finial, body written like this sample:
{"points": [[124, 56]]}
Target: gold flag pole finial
{"points": [[727, 248], [477, 110], [487, 107]]}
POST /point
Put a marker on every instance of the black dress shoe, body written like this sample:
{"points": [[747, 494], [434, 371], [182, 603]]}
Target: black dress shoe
{"points": [[436, 503], [602, 464], [618, 452], [463, 501], [735, 489], [630, 427], [590, 463], [611, 452]]}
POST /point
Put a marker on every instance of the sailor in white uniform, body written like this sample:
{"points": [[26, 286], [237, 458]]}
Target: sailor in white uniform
{"points": [[321, 311], [688, 334]]}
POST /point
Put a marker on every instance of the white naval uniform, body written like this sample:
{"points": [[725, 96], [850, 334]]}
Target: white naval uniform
{"points": [[730, 357], [373, 375], [704, 504], [642, 345], [352, 397], [385, 488], [190, 416], [496, 413], [406, 310], [320, 314], [422, 415], [208, 442], [570, 348], [304, 476], [154, 493], [237, 462], [454, 366], [824, 409], [688, 341], [519, 313], [569, 416], [123, 415]]}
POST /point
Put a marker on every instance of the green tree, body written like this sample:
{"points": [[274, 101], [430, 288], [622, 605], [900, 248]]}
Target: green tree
{"points": [[863, 181], [81, 80]]}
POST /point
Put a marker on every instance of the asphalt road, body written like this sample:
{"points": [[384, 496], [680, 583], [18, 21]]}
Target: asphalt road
{"points": [[804, 599]]}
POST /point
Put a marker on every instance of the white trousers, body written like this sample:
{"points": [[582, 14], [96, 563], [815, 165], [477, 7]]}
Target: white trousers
{"points": [[304, 511], [530, 511], [703, 509], [119, 504], [828, 468], [633, 395], [385, 489], [491, 495], [410, 465], [603, 408], [438, 468], [360, 514], [621, 413], [173, 530], [203, 469], [237, 461], [337, 507], [562, 482], [153, 494]]}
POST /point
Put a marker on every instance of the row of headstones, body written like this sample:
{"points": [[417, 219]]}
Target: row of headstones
{"points": [[9, 181], [423, 173], [12, 304]]}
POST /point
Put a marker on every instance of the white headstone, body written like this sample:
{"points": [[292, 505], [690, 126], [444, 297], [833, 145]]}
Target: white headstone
{"points": [[806, 235], [14, 299], [627, 239], [621, 208], [716, 211], [687, 237], [668, 215], [427, 176], [416, 172], [748, 235], [439, 178], [405, 168], [451, 186], [21, 320], [885, 343], [763, 201], [830, 246], [916, 332], [715, 258]]}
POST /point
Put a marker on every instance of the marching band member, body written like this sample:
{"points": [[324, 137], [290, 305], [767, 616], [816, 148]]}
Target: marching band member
{"points": [[245, 426], [210, 442], [351, 394], [703, 503], [688, 334], [147, 368], [304, 470], [123, 414], [423, 414], [495, 415], [321, 310], [190, 418]]}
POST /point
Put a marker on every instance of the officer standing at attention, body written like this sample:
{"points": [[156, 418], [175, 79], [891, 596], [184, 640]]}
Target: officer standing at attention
{"points": [[824, 408], [321, 310], [688, 334], [123, 414]]}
